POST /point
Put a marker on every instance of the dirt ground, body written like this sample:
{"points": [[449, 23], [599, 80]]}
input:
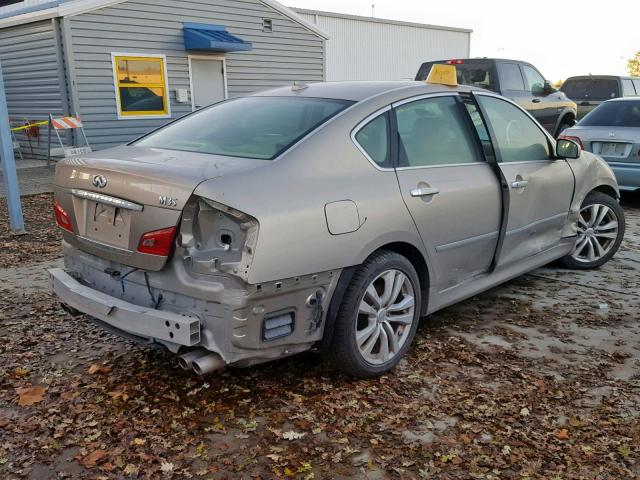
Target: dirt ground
{"points": [[536, 379]]}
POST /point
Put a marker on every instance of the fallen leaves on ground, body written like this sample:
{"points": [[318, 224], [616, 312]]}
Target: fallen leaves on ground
{"points": [[30, 395]]}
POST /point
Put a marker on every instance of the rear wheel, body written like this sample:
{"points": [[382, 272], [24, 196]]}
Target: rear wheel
{"points": [[600, 230], [378, 317]]}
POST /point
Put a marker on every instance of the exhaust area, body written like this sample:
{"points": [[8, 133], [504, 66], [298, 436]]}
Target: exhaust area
{"points": [[186, 359], [208, 363]]}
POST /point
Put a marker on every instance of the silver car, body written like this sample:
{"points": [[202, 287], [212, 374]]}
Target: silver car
{"points": [[612, 131], [326, 217]]}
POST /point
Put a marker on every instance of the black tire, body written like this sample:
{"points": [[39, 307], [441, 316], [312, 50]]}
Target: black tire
{"points": [[599, 198], [561, 128], [343, 350]]}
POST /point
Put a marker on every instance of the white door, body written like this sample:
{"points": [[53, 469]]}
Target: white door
{"points": [[207, 81]]}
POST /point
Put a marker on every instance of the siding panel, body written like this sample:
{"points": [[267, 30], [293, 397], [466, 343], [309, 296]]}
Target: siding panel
{"points": [[290, 53], [367, 49], [30, 66]]}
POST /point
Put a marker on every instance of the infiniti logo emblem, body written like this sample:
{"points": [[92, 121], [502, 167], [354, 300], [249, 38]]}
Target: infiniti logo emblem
{"points": [[99, 181]]}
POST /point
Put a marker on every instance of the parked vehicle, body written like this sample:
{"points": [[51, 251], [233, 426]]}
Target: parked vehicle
{"points": [[589, 91], [329, 216], [612, 130], [519, 81]]}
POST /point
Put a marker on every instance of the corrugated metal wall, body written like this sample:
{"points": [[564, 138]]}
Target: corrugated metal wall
{"points": [[374, 50], [30, 66], [290, 53]]}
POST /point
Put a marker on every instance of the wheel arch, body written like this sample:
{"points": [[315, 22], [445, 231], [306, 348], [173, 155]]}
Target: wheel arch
{"points": [[407, 250], [568, 117], [607, 190]]}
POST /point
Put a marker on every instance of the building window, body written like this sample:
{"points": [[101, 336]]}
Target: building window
{"points": [[141, 85], [267, 25]]}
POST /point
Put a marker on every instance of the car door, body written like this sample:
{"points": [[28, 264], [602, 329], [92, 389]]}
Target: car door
{"points": [[542, 106], [451, 192], [540, 187]]}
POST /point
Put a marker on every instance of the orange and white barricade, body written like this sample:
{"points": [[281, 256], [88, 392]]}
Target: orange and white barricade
{"points": [[67, 123]]}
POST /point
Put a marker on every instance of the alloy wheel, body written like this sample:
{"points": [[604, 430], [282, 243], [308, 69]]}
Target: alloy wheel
{"points": [[597, 233], [385, 316]]}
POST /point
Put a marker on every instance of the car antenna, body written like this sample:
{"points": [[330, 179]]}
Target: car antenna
{"points": [[297, 86]]}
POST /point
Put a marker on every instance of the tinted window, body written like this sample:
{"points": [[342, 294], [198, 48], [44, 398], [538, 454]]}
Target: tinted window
{"points": [[627, 88], [374, 139], [535, 82], [614, 114], [510, 77], [252, 127], [471, 72], [433, 132], [519, 138], [591, 88]]}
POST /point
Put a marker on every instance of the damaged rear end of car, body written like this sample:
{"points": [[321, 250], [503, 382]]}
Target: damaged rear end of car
{"points": [[152, 258]]}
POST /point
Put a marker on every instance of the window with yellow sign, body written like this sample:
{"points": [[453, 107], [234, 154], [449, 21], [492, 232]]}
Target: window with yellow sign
{"points": [[141, 86]]}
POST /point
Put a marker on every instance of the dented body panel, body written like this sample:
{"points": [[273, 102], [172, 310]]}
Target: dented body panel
{"points": [[259, 245]]}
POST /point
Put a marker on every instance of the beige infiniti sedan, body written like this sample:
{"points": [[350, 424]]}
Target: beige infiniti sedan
{"points": [[326, 217]]}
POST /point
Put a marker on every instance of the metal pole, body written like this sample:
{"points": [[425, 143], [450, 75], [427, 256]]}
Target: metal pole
{"points": [[9, 172]]}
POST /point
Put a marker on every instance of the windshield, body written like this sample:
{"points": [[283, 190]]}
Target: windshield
{"points": [[591, 88], [614, 114], [476, 73], [250, 127]]}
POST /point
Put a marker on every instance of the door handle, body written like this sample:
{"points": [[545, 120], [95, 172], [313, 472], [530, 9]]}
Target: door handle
{"points": [[424, 191], [535, 100], [520, 183]]}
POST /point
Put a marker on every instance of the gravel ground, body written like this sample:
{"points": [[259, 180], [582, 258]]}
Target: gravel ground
{"points": [[536, 379]]}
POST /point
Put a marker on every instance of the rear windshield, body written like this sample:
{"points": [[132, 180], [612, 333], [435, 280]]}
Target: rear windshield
{"points": [[591, 88], [251, 127], [474, 73], [614, 114]]}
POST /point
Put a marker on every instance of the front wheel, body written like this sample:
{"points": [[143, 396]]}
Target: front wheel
{"points": [[378, 317], [600, 230]]}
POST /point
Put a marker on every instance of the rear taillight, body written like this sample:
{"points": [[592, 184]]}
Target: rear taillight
{"points": [[158, 242], [575, 139], [62, 218]]}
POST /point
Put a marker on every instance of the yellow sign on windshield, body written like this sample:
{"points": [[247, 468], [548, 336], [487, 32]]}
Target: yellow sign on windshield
{"points": [[443, 75]]}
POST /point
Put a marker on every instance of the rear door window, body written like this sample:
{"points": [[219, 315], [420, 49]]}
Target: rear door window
{"points": [[534, 81], [627, 88], [636, 83], [434, 132], [510, 77], [518, 138]]}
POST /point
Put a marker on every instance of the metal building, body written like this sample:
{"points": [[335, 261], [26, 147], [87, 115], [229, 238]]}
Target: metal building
{"points": [[368, 48], [127, 66]]}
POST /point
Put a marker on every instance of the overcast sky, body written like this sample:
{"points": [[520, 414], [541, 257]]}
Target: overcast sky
{"points": [[562, 38]]}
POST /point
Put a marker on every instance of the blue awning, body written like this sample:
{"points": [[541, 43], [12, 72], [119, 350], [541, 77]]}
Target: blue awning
{"points": [[208, 36]]}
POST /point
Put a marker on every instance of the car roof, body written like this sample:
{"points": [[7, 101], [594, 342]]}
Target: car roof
{"points": [[582, 77], [359, 90], [624, 99]]}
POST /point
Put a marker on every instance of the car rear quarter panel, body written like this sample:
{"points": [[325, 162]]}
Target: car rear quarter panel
{"points": [[289, 198]]}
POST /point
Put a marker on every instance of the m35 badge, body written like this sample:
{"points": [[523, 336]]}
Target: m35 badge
{"points": [[166, 201]]}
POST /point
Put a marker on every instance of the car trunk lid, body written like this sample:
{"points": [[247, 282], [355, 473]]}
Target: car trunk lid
{"points": [[114, 197]]}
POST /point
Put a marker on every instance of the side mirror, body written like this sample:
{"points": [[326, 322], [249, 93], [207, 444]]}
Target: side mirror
{"points": [[548, 88], [566, 148]]}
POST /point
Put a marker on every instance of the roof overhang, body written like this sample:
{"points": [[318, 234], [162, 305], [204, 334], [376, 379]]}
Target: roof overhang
{"points": [[213, 38], [68, 8]]}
